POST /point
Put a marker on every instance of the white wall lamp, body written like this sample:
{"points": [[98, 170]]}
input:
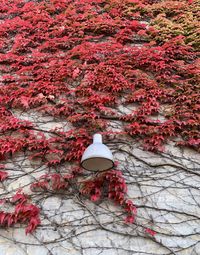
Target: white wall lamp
{"points": [[97, 156]]}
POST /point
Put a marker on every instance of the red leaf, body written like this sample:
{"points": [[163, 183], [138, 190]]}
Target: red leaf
{"points": [[20, 198], [33, 223], [130, 219], [25, 101], [2, 217], [3, 175], [150, 231], [95, 198], [10, 219], [75, 73]]}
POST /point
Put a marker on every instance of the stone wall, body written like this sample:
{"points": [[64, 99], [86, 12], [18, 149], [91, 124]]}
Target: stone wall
{"points": [[165, 187]]}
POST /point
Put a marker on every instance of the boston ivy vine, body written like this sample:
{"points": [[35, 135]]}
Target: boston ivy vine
{"points": [[79, 61]]}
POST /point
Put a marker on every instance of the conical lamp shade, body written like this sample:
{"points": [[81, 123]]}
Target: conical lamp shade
{"points": [[97, 156]]}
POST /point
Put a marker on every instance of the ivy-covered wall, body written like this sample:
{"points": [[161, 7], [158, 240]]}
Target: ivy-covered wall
{"points": [[127, 69]]}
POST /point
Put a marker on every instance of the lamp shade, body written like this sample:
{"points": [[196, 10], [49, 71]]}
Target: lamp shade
{"points": [[97, 156]]}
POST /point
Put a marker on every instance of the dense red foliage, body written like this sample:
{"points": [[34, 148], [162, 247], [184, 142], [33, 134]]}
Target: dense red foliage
{"points": [[114, 184], [23, 213], [78, 61]]}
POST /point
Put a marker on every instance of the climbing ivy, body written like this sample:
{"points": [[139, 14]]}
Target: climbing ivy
{"points": [[79, 61]]}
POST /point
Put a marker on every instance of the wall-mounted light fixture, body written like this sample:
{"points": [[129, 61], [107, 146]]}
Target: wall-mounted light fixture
{"points": [[97, 156]]}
